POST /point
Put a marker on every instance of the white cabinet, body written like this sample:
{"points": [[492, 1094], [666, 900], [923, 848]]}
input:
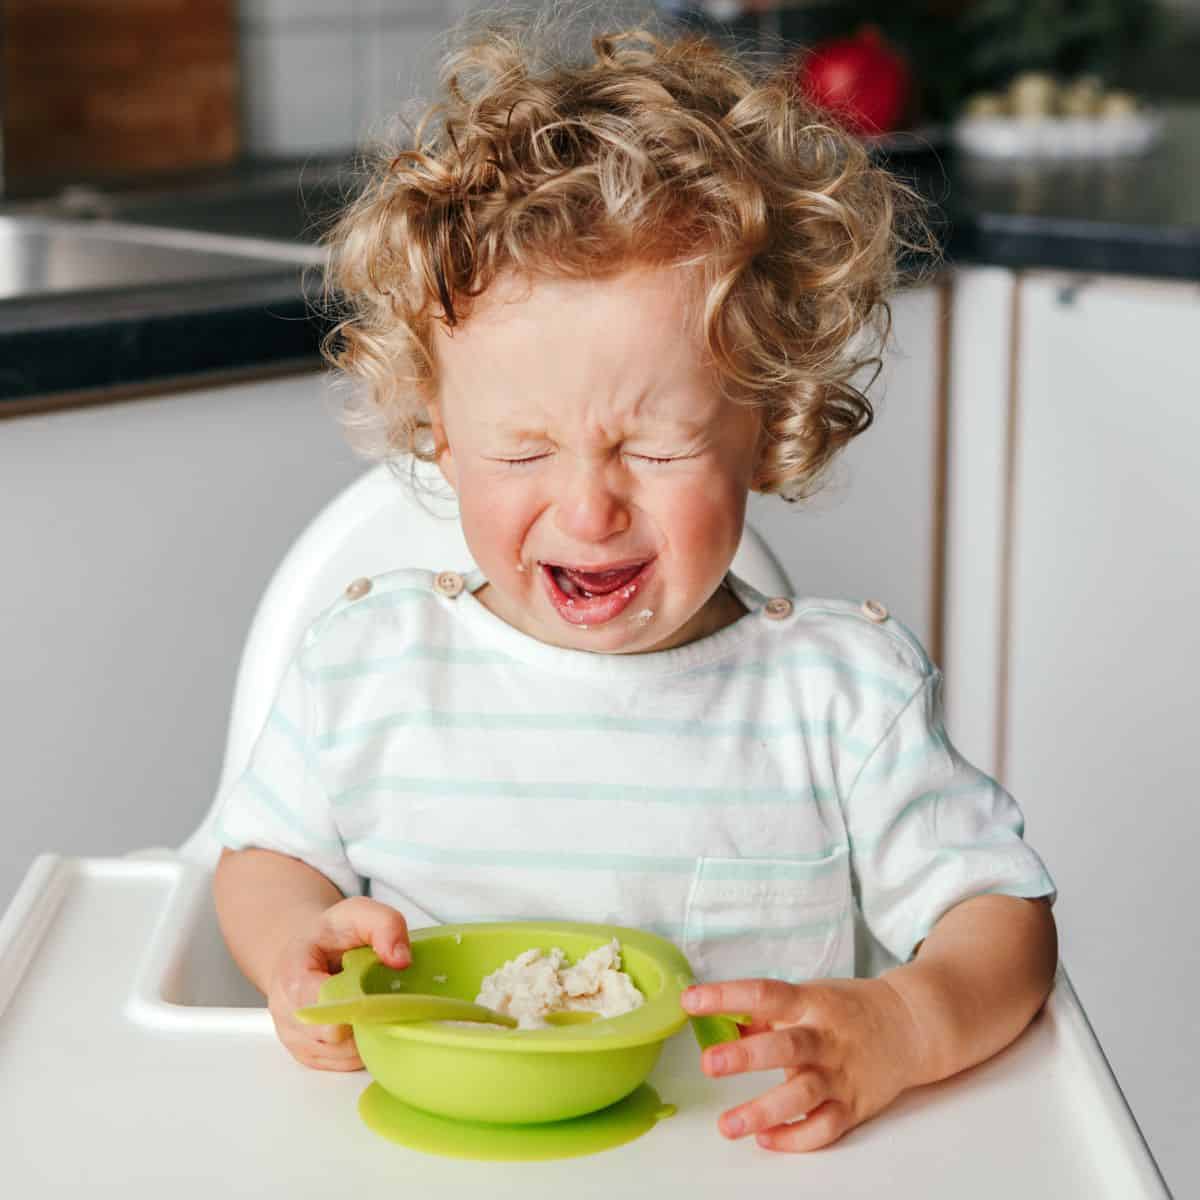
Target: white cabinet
{"points": [[1074, 641], [135, 541], [873, 532]]}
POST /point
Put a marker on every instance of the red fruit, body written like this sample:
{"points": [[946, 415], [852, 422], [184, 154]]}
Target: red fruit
{"points": [[861, 80]]}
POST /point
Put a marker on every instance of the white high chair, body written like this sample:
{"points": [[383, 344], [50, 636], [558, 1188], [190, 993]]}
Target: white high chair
{"points": [[135, 1060]]}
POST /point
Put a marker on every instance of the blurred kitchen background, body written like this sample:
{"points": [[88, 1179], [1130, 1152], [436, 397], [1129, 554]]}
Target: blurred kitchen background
{"points": [[96, 87], [1028, 503]]}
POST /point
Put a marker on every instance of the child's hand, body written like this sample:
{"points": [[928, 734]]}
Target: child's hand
{"points": [[848, 1048], [308, 960]]}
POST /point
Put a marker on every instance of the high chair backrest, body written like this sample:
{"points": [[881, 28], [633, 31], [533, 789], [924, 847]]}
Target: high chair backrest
{"points": [[378, 523]]}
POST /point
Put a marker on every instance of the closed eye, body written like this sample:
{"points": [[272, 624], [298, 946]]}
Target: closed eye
{"points": [[522, 462], [650, 458]]}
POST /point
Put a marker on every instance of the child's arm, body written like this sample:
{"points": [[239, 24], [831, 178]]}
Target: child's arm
{"points": [[286, 926], [977, 980], [849, 1047], [263, 900]]}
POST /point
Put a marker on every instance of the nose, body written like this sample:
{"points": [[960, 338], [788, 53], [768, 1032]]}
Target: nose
{"points": [[591, 505]]}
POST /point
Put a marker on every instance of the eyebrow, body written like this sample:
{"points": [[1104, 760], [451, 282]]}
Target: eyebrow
{"points": [[688, 427]]}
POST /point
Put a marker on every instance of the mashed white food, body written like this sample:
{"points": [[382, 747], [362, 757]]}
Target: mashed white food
{"points": [[535, 983]]}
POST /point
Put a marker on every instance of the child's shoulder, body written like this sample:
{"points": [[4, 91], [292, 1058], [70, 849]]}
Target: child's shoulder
{"points": [[858, 632], [384, 602]]}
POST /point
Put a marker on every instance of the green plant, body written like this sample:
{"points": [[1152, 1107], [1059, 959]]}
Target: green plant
{"points": [[1005, 37], [962, 46]]}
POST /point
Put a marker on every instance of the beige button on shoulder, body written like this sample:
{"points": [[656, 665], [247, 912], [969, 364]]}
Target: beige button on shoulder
{"points": [[875, 611], [358, 589], [778, 607], [449, 583]]}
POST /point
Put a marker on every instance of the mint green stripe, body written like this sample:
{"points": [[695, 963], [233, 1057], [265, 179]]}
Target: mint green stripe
{"points": [[808, 661], [573, 790], [443, 654], [886, 765], [730, 933], [739, 869], [558, 722], [996, 840], [271, 801], [278, 721], [528, 859], [385, 664], [677, 931], [980, 788], [797, 868]]}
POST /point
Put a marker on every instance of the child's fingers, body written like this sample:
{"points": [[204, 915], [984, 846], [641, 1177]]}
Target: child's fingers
{"points": [[341, 1056], [351, 1063], [299, 986], [786, 1102], [791, 1046], [365, 922], [763, 999], [822, 1127]]}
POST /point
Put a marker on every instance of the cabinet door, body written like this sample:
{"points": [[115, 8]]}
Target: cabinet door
{"points": [[1103, 660], [874, 531], [142, 537]]}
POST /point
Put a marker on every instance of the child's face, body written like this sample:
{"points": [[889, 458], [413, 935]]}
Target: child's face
{"points": [[554, 418]]}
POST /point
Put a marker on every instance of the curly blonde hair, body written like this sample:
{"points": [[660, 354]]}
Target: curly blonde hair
{"points": [[659, 151]]}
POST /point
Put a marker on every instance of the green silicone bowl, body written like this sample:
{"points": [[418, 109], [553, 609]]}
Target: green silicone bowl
{"points": [[515, 1076]]}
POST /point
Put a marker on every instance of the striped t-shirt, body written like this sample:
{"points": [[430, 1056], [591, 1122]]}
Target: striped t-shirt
{"points": [[743, 794]]}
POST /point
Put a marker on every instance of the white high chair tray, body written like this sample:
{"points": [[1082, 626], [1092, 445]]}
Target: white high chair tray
{"points": [[135, 1062]]}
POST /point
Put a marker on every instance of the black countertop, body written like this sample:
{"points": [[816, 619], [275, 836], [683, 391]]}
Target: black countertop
{"points": [[1137, 216], [1123, 216]]}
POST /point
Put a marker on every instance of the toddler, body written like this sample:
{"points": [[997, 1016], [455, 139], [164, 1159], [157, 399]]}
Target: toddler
{"points": [[609, 298]]}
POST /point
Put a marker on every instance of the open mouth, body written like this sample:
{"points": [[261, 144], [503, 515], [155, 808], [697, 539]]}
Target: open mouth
{"points": [[585, 597]]}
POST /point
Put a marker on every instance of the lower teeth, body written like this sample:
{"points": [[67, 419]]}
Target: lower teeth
{"points": [[570, 588]]}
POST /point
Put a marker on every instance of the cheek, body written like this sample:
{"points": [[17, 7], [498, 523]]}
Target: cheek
{"points": [[495, 514], [702, 525]]}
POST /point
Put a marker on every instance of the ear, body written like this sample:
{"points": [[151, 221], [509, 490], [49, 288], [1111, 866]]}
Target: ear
{"points": [[443, 454]]}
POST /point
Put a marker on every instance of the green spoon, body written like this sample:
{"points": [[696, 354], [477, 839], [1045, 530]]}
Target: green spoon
{"points": [[412, 1006]]}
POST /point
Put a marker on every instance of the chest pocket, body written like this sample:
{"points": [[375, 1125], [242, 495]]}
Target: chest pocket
{"points": [[780, 918]]}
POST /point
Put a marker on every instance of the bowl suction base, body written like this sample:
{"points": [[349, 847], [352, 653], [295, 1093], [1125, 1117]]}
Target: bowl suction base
{"points": [[629, 1118]]}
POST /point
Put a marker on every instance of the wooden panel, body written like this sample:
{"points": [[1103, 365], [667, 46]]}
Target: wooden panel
{"points": [[981, 370], [112, 86]]}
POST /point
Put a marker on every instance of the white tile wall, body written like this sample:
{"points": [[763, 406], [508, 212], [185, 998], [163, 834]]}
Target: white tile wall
{"points": [[399, 69], [321, 76], [438, 11], [283, 13], [298, 89]]}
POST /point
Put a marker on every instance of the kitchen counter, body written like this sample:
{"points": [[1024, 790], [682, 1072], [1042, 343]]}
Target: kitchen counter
{"points": [[1125, 216], [1137, 216]]}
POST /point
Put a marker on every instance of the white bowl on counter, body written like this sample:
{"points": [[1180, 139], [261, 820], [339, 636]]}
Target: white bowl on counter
{"points": [[1057, 137]]}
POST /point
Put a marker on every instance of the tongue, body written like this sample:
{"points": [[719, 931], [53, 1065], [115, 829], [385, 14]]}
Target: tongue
{"points": [[600, 583]]}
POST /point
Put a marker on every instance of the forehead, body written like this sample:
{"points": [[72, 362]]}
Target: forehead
{"points": [[625, 347]]}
